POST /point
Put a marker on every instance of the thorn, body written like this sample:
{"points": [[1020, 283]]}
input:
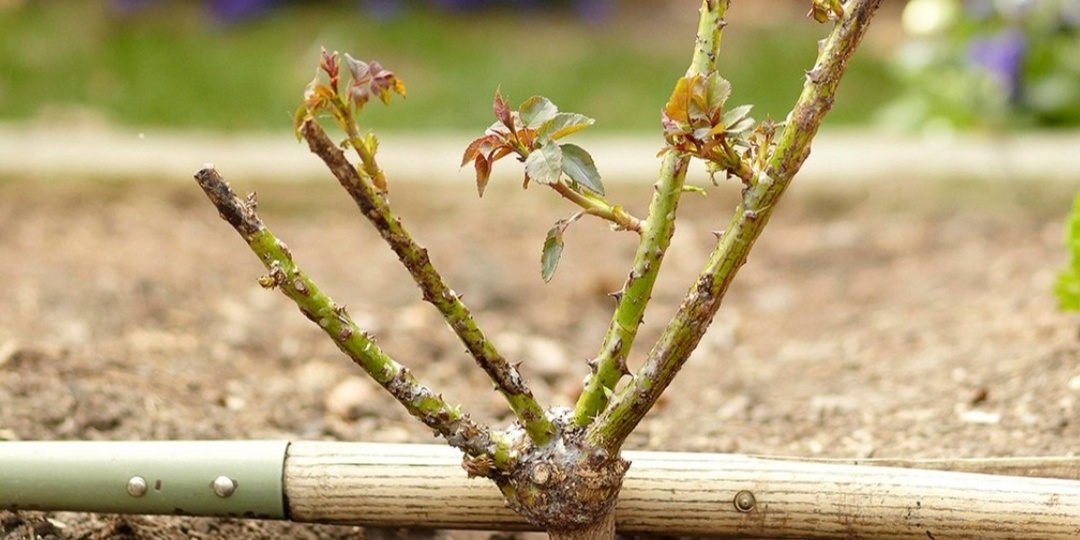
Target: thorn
{"points": [[252, 201], [593, 364], [617, 295], [718, 234]]}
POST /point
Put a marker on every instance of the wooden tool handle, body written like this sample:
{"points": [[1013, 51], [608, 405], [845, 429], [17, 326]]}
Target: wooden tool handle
{"points": [[715, 495]]}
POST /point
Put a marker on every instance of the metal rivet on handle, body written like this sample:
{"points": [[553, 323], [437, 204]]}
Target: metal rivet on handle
{"points": [[136, 486], [223, 486], [745, 501]]}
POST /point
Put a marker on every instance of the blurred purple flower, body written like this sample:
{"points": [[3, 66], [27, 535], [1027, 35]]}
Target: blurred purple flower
{"points": [[595, 11], [234, 11], [383, 10], [1002, 55], [459, 5], [1070, 13], [128, 7]]}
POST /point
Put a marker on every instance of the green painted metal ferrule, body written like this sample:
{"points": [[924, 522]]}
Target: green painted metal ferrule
{"points": [[202, 478]]}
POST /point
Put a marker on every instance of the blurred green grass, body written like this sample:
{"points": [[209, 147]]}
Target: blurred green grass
{"points": [[169, 66]]}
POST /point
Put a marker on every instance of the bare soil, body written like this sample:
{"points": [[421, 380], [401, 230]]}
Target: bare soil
{"points": [[905, 319]]}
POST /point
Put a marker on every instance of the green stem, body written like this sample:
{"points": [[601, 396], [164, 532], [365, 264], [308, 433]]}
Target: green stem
{"points": [[430, 408], [703, 299], [597, 206], [375, 208], [609, 366], [711, 25], [366, 151]]}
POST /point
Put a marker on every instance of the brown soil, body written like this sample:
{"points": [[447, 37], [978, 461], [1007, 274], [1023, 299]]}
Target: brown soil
{"points": [[899, 320]]}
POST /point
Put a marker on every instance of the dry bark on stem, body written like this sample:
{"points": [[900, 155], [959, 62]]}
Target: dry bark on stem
{"points": [[375, 208], [602, 529], [700, 304], [427, 406]]}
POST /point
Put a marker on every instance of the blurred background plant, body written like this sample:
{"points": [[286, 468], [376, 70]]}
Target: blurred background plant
{"points": [[235, 64], [1067, 286], [988, 65]]}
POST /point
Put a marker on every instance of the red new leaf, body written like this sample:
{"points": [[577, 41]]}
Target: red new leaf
{"points": [[502, 112], [483, 173]]}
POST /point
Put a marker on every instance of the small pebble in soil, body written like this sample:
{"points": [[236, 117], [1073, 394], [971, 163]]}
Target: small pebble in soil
{"points": [[540, 356], [352, 398]]}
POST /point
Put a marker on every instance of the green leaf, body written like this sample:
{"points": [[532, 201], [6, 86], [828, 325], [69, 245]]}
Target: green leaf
{"points": [[298, 121], [563, 124], [536, 111], [821, 10], [695, 189], [740, 127], [553, 246], [717, 90], [703, 133], [371, 142], [579, 166], [738, 117], [544, 165]]}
